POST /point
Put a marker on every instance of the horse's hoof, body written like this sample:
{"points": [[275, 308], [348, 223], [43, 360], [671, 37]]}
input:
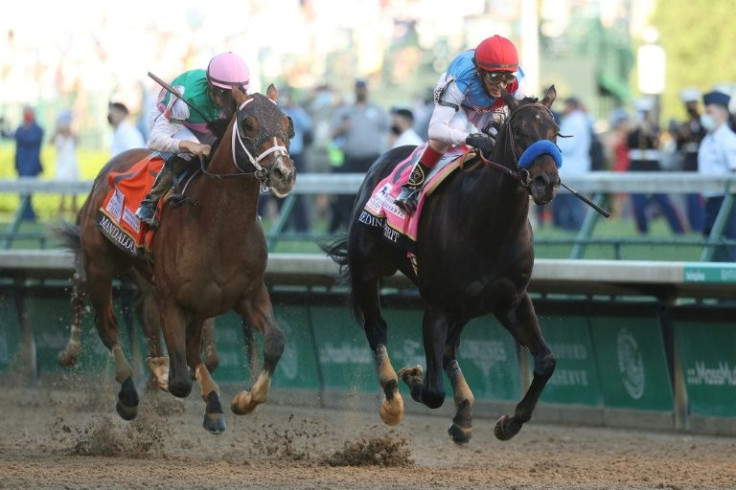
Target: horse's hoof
{"points": [[214, 423], [460, 435], [242, 403], [392, 411], [506, 428], [127, 412], [411, 376]]}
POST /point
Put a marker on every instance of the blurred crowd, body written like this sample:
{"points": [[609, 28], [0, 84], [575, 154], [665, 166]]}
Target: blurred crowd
{"points": [[345, 133]]}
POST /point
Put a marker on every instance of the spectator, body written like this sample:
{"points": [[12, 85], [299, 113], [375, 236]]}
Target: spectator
{"points": [[125, 136], [717, 156], [643, 143], [688, 137], [67, 166], [402, 129], [619, 150], [303, 137], [567, 210], [362, 126], [28, 139]]}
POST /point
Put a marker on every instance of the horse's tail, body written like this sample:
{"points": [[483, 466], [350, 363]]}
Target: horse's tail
{"points": [[337, 250], [70, 237]]}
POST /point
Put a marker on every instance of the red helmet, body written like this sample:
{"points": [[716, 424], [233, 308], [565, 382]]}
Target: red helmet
{"points": [[496, 54]]}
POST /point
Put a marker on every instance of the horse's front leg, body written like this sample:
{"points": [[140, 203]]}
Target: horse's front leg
{"points": [[148, 313], [214, 418], [461, 429], [258, 312], [174, 325], [522, 322], [429, 389]]}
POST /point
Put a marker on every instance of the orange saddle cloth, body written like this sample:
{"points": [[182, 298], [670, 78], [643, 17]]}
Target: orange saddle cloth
{"points": [[116, 218]]}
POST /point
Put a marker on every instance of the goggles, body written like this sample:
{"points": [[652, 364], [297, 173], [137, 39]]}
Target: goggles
{"points": [[498, 76]]}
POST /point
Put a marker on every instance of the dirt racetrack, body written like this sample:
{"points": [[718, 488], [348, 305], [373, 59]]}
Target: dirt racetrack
{"points": [[61, 437]]}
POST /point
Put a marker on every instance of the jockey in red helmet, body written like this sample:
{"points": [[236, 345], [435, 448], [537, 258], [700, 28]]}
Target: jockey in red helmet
{"points": [[468, 94], [175, 129]]}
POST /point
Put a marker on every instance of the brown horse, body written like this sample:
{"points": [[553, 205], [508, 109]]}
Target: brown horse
{"points": [[145, 306], [209, 258]]}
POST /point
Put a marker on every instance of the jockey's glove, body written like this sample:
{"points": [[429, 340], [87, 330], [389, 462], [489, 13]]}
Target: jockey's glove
{"points": [[481, 142]]}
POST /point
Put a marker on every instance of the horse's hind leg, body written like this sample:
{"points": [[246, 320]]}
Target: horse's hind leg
{"points": [[149, 316], [522, 322], [69, 356], [429, 389], [214, 418], [100, 295], [257, 311], [461, 429], [366, 296]]}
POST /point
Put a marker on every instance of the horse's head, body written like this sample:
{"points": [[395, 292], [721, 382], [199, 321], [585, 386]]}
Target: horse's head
{"points": [[529, 137], [263, 132]]}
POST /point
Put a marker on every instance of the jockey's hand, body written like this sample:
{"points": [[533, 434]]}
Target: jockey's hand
{"points": [[481, 142], [197, 149]]}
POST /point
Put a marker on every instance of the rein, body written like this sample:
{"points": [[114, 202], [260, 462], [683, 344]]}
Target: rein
{"points": [[262, 174], [521, 175]]}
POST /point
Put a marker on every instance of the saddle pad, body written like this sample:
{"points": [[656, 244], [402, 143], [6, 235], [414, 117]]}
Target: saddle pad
{"points": [[116, 218], [381, 212]]}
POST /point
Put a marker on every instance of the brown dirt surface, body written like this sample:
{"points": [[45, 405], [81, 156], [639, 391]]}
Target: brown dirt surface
{"points": [[63, 437]]}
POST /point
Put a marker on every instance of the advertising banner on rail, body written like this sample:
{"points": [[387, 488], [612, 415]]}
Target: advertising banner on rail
{"points": [[632, 367], [575, 380], [708, 358]]}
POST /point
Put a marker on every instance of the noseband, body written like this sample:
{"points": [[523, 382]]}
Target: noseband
{"points": [[259, 172], [523, 160]]}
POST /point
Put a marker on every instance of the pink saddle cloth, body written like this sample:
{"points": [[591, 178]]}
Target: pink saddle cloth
{"points": [[380, 211]]}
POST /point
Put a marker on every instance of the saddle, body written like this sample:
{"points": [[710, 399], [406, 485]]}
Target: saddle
{"points": [[116, 217], [380, 212]]}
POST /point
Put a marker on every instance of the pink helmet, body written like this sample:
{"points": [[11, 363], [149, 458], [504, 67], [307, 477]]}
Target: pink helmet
{"points": [[226, 70]]}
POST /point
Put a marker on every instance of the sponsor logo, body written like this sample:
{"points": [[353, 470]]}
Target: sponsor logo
{"points": [[701, 374], [118, 236], [132, 220], [115, 205], [630, 364]]}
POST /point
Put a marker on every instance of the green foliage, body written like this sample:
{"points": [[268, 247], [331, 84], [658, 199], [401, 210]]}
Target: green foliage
{"points": [[698, 38]]}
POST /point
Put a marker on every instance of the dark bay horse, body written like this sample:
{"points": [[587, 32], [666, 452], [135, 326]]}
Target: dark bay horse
{"points": [[474, 256], [209, 258]]}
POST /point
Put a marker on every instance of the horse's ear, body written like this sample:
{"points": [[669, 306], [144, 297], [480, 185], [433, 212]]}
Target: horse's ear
{"points": [[509, 99], [272, 93], [239, 96], [549, 96]]}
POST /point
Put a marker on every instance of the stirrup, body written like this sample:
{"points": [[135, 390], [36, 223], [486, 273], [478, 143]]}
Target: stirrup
{"points": [[408, 198], [146, 212]]}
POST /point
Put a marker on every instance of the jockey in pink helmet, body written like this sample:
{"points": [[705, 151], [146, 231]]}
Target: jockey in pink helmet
{"points": [[467, 95], [181, 134]]}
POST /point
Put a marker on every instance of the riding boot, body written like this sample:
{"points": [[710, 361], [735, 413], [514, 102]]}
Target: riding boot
{"points": [[408, 198], [146, 212]]}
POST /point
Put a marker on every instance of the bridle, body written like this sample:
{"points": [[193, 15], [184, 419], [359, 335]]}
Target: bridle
{"points": [[258, 171], [517, 173]]}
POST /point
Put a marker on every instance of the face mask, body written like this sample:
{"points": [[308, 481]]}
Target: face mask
{"points": [[708, 123], [396, 130]]}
